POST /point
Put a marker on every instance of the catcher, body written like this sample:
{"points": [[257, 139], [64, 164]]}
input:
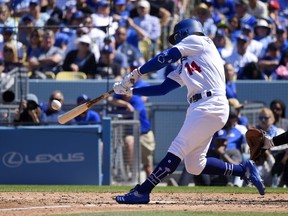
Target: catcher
{"points": [[259, 142]]}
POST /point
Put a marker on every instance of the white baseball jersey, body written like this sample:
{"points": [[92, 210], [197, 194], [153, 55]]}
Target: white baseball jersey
{"points": [[201, 66], [201, 70]]}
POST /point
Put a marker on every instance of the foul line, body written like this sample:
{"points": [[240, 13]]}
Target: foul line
{"points": [[35, 207]]}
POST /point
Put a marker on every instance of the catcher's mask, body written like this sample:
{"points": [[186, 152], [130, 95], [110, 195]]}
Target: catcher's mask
{"points": [[185, 28]]}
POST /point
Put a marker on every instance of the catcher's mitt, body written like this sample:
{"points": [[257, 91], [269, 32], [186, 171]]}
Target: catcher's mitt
{"points": [[255, 140]]}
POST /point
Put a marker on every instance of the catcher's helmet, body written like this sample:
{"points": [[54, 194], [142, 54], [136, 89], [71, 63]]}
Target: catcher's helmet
{"points": [[184, 28]]}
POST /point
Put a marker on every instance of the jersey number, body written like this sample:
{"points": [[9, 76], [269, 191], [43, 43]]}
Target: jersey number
{"points": [[193, 67]]}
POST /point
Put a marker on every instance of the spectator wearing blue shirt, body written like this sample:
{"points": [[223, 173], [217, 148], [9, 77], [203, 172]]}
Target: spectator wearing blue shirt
{"points": [[89, 116], [26, 26], [240, 56], [278, 13], [20, 7], [242, 13], [269, 63], [61, 38], [234, 147], [230, 77], [226, 7], [52, 114], [266, 122], [131, 104], [234, 28], [262, 31], [121, 13], [254, 46], [134, 56], [281, 38]]}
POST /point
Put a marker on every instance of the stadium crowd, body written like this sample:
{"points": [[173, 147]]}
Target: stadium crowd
{"points": [[106, 39]]}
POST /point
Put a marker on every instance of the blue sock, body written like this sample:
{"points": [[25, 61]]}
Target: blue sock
{"points": [[166, 167], [215, 166]]}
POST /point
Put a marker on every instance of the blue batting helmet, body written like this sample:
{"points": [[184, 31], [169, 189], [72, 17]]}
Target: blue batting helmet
{"points": [[185, 28]]}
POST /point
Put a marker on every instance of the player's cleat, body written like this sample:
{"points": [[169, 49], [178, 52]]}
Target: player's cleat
{"points": [[252, 176], [133, 197]]}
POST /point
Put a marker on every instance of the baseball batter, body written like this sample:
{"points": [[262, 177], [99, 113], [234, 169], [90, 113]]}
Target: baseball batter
{"points": [[201, 70]]}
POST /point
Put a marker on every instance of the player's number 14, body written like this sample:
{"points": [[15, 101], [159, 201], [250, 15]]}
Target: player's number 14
{"points": [[192, 67]]}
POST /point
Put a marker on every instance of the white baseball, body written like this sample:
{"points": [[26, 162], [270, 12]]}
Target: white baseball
{"points": [[56, 105]]}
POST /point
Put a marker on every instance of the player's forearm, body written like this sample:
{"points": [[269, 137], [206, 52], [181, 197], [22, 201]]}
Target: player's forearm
{"points": [[161, 60], [162, 89]]}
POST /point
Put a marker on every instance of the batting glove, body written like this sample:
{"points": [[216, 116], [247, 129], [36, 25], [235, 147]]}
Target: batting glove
{"points": [[130, 79], [123, 90]]}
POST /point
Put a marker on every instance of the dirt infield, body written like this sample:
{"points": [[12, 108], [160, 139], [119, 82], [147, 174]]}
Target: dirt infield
{"points": [[39, 203]]}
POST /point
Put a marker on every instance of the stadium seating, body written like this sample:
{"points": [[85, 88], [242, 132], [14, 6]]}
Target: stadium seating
{"points": [[70, 75]]}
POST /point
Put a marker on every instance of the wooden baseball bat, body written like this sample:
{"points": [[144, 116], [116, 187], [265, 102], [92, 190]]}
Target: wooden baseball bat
{"points": [[64, 118]]}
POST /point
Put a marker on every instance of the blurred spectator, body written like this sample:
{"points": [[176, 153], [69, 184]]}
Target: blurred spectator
{"points": [[69, 9], [242, 13], [6, 19], [61, 38], [76, 30], [52, 10], [280, 168], [121, 13], [10, 57], [262, 31], [182, 8], [102, 19], [48, 58], [133, 104], [242, 122], [234, 28], [282, 69], [223, 43], [9, 36], [225, 7], [35, 12], [216, 15], [89, 116], [134, 57], [20, 7], [258, 8], [35, 42], [112, 64], [274, 12], [254, 46], [51, 114], [84, 7], [29, 112], [240, 56], [281, 38], [97, 36], [251, 71], [151, 27], [266, 122], [164, 10], [278, 108], [202, 13], [230, 77], [270, 62], [26, 25], [81, 59]]}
